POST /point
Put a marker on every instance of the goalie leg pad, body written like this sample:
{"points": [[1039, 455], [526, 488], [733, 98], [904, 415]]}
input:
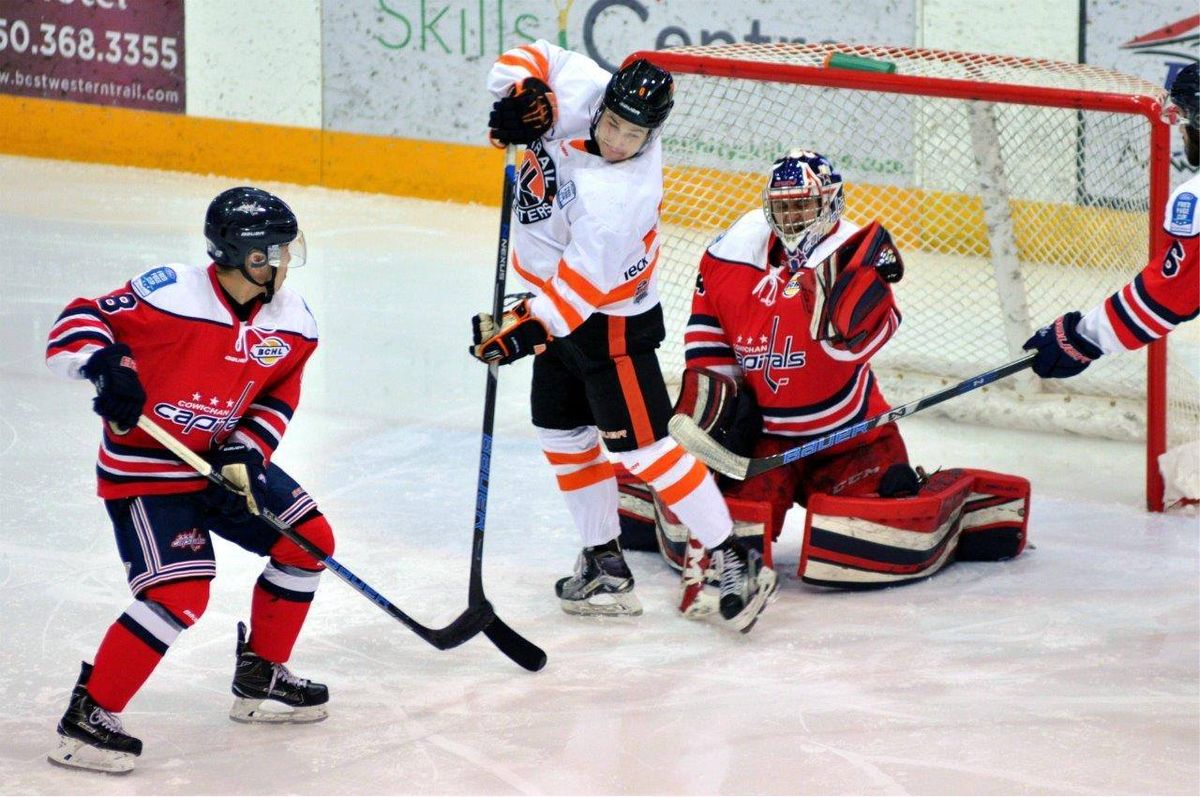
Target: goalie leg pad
{"points": [[871, 542], [751, 522], [995, 521], [635, 512]]}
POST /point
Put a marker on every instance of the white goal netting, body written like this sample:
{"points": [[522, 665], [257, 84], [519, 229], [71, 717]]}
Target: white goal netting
{"points": [[1011, 207]]}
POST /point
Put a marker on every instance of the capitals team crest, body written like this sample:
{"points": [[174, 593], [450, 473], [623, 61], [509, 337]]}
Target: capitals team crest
{"points": [[269, 351], [537, 185]]}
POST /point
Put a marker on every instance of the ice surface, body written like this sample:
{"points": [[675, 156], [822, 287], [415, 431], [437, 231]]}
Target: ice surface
{"points": [[1071, 670]]}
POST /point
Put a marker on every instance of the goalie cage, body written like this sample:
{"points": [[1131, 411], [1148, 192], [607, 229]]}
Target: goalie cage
{"points": [[1016, 188]]}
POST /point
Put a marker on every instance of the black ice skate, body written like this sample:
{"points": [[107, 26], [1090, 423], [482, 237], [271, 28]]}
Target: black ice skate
{"points": [[601, 585], [90, 737], [747, 584], [256, 681]]}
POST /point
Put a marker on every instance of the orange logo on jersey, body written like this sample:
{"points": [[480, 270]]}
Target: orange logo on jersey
{"points": [[269, 351], [537, 185]]}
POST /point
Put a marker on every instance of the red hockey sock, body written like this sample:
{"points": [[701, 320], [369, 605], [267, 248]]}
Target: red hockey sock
{"points": [[123, 663], [275, 623]]}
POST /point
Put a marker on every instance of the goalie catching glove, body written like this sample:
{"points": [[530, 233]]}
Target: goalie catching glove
{"points": [[525, 115], [519, 334], [856, 300]]}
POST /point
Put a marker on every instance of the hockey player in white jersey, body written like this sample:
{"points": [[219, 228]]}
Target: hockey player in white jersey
{"points": [[586, 244]]}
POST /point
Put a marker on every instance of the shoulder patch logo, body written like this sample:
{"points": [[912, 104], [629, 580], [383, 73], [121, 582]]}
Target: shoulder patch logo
{"points": [[154, 279], [269, 351], [566, 195], [537, 185], [1183, 215]]}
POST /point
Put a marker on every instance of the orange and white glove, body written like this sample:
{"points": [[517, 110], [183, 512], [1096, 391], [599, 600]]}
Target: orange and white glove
{"points": [[518, 334]]}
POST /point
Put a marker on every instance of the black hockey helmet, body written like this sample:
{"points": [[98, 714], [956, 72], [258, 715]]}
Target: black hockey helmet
{"points": [[244, 219], [641, 93], [1185, 93]]}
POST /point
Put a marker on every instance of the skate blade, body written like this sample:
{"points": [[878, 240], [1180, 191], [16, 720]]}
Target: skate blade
{"points": [[253, 711], [745, 620], [605, 604], [76, 754]]}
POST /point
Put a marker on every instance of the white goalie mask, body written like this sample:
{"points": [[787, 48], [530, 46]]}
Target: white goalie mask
{"points": [[803, 201]]}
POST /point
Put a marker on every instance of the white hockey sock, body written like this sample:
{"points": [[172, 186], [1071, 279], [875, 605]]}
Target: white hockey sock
{"points": [[686, 486], [586, 479]]}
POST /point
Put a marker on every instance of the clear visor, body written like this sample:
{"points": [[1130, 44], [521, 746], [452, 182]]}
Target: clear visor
{"points": [[291, 254]]}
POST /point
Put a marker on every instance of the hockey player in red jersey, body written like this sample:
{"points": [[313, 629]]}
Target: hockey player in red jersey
{"points": [[790, 305], [586, 243], [216, 356], [1163, 295]]}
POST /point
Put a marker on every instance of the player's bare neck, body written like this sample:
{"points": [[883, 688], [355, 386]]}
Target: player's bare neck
{"points": [[239, 292]]}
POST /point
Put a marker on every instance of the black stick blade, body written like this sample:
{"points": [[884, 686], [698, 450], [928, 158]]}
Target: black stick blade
{"points": [[515, 646]]}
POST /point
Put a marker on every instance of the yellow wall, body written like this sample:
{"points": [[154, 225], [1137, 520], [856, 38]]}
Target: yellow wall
{"points": [[425, 169]]}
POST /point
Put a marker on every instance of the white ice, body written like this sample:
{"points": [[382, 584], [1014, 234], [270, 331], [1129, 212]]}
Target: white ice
{"points": [[1072, 670]]}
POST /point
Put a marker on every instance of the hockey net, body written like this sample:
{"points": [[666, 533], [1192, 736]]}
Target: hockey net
{"points": [[1015, 188]]}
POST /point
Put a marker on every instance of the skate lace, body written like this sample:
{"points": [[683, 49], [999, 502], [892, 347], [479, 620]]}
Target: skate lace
{"points": [[106, 720], [281, 674], [733, 571]]}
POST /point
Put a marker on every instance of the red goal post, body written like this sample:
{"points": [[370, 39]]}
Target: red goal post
{"points": [[1016, 188]]}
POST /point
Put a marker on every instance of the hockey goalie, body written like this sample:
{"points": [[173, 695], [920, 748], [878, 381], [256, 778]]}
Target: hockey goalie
{"points": [[791, 303]]}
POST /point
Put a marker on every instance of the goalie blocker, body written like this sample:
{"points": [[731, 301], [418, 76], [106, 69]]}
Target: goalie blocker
{"points": [[850, 542]]}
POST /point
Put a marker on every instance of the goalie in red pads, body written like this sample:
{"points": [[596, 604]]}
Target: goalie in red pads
{"points": [[790, 305]]}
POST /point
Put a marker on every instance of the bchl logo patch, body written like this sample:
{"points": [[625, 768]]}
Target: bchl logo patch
{"points": [[793, 285], [154, 279], [1183, 214], [269, 351]]}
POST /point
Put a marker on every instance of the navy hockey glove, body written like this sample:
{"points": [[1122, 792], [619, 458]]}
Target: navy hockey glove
{"points": [[243, 468], [524, 115], [1061, 350], [120, 396], [519, 334]]}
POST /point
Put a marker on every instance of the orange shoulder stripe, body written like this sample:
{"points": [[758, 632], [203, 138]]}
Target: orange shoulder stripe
{"points": [[541, 63]]}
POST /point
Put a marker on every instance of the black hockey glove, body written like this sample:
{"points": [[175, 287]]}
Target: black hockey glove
{"points": [[1061, 350], [519, 334], [524, 115], [120, 396], [243, 468]]}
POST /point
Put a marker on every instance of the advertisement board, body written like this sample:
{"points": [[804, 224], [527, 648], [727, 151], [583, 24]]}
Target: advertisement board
{"points": [[127, 53], [417, 68]]}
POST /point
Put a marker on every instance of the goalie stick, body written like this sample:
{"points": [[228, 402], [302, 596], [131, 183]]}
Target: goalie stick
{"points": [[698, 442], [479, 616]]}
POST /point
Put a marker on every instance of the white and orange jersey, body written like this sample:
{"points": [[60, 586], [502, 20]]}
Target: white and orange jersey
{"points": [[1167, 290], [586, 238]]}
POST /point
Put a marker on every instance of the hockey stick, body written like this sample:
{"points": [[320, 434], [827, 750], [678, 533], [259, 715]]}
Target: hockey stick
{"points": [[716, 456], [466, 625], [515, 646]]}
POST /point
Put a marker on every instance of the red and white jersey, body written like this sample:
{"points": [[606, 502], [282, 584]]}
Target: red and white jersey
{"points": [[752, 319], [586, 237], [1166, 292], [207, 375]]}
